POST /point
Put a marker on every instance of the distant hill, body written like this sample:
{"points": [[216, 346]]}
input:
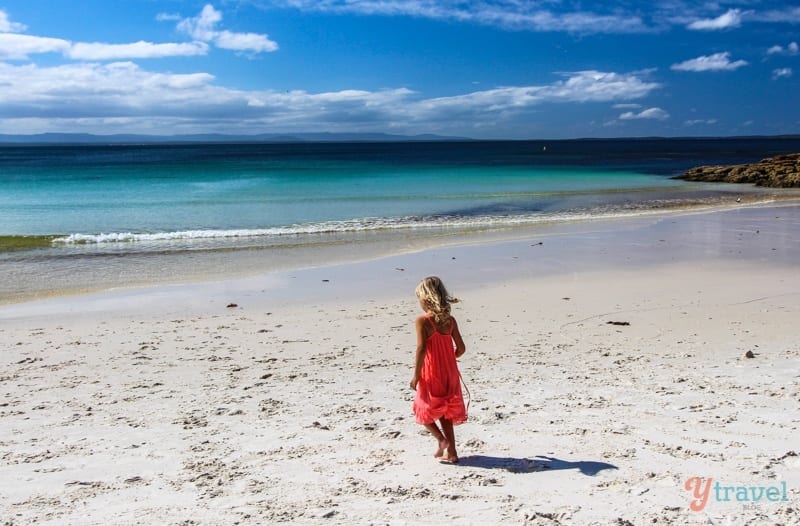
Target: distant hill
{"points": [[87, 138]]}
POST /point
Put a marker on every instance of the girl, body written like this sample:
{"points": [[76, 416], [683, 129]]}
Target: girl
{"points": [[436, 377]]}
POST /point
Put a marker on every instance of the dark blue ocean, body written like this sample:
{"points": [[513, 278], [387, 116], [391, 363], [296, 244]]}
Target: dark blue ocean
{"points": [[68, 202]]}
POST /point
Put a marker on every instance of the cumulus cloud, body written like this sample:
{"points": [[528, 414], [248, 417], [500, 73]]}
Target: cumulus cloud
{"points": [[650, 113], [782, 73], [203, 27], [732, 18], [715, 62], [526, 16], [123, 96]]}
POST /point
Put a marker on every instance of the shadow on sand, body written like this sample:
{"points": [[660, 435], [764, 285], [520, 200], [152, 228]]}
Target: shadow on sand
{"points": [[532, 465]]}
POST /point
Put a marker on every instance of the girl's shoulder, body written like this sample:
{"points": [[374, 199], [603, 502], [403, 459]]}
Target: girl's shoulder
{"points": [[428, 325], [423, 323]]}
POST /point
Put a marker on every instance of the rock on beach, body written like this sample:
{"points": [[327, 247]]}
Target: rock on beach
{"points": [[782, 171]]}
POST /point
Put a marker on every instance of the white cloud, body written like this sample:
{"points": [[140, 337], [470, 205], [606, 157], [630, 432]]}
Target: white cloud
{"points": [[577, 22], [732, 18], [791, 49], [580, 87], [15, 46], [86, 88], [203, 28], [790, 15], [626, 106], [696, 122], [512, 14], [7, 26], [124, 97], [782, 73], [650, 113], [141, 49], [614, 17], [168, 17], [598, 86], [244, 42], [715, 62]]}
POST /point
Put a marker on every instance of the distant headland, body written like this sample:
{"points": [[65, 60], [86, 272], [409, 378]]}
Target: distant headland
{"points": [[67, 138]]}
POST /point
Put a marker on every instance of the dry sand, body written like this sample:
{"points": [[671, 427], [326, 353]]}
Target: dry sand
{"points": [[166, 406]]}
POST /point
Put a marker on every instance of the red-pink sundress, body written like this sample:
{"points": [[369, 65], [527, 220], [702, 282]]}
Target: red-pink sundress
{"points": [[439, 387]]}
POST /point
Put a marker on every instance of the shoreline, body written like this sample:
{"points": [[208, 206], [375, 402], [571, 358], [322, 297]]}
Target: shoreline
{"points": [[162, 269]]}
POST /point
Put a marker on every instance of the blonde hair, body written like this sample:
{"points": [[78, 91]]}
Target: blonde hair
{"points": [[435, 298]]}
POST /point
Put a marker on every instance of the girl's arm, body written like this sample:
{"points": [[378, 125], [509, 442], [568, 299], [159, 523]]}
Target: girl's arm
{"points": [[420, 354], [460, 347]]}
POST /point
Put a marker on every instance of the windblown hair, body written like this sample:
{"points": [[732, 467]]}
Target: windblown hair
{"points": [[436, 299]]}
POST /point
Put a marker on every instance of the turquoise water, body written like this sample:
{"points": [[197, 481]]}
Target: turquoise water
{"points": [[94, 211], [124, 193], [239, 200]]}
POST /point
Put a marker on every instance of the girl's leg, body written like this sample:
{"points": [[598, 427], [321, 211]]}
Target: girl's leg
{"points": [[439, 436], [450, 438]]}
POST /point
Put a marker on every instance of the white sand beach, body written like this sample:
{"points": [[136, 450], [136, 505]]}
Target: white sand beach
{"points": [[165, 405]]}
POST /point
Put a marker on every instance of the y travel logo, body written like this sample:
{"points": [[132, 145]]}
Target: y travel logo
{"points": [[702, 488]]}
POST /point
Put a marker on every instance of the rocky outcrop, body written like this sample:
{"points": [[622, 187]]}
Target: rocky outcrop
{"points": [[782, 171]]}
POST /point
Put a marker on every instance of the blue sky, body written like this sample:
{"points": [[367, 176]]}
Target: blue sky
{"points": [[485, 69]]}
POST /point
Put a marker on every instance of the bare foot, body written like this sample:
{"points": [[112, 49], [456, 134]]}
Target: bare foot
{"points": [[450, 459], [443, 445]]}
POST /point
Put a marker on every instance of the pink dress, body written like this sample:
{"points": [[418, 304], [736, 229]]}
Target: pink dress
{"points": [[439, 387]]}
